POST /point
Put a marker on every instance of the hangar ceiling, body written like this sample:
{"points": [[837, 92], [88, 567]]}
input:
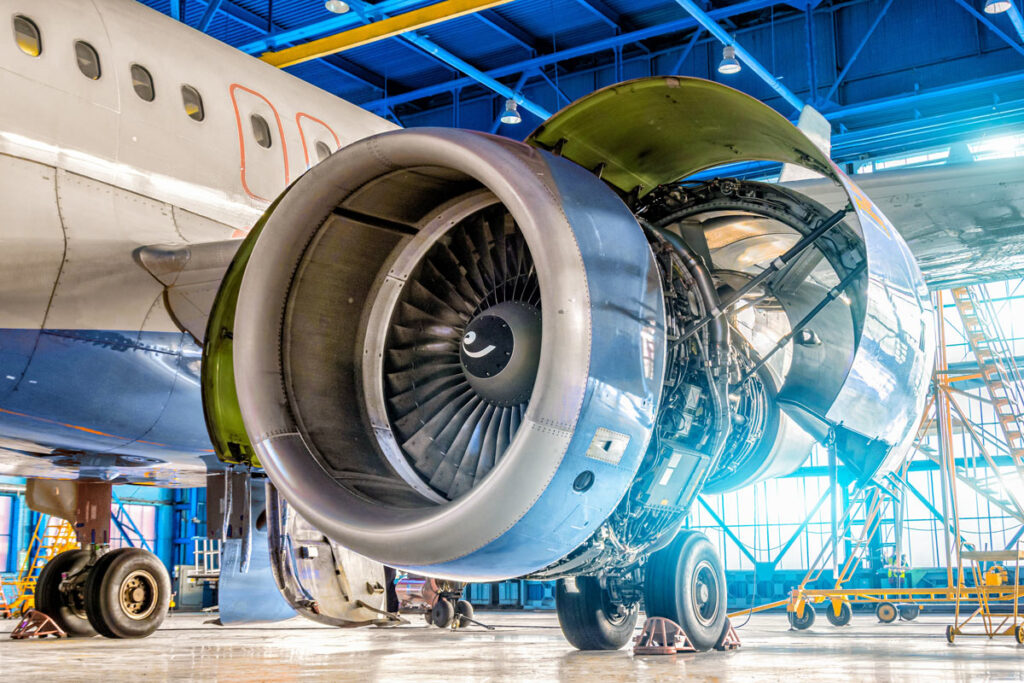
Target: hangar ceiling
{"points": [[890, 75]]}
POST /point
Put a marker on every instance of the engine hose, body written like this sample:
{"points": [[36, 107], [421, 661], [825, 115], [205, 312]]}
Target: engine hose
{"points": [[718, 337]]}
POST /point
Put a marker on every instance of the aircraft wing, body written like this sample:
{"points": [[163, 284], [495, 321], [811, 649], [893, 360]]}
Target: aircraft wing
{"points": [[963, 222]]}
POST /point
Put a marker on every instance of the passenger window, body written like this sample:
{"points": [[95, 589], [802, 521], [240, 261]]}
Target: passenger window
{"points": [[26, 35], [261, 131], [88, 60], [193, 102], [322, 150], [142, 82]]}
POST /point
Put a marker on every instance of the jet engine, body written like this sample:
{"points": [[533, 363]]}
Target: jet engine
{"points": [[476, 359]]}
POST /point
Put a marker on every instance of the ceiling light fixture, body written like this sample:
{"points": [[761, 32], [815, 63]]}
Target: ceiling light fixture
{"points": [[511, 114], [337, 6], [729, 63], [996, 6]]}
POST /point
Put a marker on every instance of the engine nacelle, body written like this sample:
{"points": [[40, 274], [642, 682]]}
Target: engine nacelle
{"points": [[476, 359], [452, 347]]}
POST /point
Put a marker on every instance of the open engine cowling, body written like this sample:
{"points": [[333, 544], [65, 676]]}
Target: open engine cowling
{"points": [[477, 359], [452, 351]]}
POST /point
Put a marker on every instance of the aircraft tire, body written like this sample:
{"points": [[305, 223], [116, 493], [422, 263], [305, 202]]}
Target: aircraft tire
{"points": [[442, 613], [588, 619], [464, 608], [67, 612], [685, 582], [127, 593]]}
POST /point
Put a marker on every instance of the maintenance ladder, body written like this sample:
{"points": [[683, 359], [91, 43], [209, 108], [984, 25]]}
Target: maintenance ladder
{"points": [[51, 536], [997, 365]]}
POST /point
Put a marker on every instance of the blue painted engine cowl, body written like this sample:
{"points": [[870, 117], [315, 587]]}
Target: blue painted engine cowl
{"points": [[400, 298]]}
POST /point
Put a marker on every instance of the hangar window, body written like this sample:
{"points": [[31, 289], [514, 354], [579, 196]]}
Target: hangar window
{"points": [[88, 60], [26, 35], [142, 83], [322, 150], [193, 102], [261, 131]]}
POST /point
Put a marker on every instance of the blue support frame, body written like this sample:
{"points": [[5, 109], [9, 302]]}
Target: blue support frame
{"points": [[689, 48], [628, 38], [124, 523], [992, 27]]}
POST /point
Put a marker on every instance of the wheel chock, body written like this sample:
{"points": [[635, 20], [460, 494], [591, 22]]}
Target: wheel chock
{"points": [[35, 624], [662, 636], [731, 640]]}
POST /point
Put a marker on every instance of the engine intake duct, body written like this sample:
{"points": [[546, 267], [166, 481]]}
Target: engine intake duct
{"points": [[449, 351]]}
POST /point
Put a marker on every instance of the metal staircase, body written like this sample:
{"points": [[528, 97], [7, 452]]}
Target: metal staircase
{"points": [[51, 536], [997, 365]]}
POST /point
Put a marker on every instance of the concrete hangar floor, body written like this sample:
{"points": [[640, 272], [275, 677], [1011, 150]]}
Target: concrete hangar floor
{"points": [[523, 647]]}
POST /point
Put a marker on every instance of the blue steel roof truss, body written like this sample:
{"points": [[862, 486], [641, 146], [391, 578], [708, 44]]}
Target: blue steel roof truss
{"points": [[871, 66]]}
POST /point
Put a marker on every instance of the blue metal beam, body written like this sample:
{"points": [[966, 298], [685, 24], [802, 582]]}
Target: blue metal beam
{"points": [[991, 27], [602, 12], [211, 10], [476, 74], [720, 33], [366, 12], [856, 53], [335, 62], [1016, 19], [935, 513], [680, 25], [923, 96], [800, 529], [508, 29], [554, 86], [332, 24], [686, 53], [725, 528]]}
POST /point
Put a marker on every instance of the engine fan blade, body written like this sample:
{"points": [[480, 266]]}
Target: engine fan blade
{"points": [[402, 404], [423, 445], [401, 381], [458, 452], [431, 352], [479, 232], [443, 289], [430, 303], [448, 264], [405, 335]]}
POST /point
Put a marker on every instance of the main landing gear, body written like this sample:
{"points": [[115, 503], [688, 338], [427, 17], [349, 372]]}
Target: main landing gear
{"points": [[121, 593], [683, 582]]}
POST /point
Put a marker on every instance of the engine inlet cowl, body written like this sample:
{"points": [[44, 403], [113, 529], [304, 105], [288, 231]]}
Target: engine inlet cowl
{"points": [[441, 332]]}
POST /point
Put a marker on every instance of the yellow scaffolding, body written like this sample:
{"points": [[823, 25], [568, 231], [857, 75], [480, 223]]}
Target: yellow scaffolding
{"points": [[989, 587], [50, 537]]}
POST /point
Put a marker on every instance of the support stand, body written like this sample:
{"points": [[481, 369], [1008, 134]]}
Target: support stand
{"points": [[35, 624]]}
